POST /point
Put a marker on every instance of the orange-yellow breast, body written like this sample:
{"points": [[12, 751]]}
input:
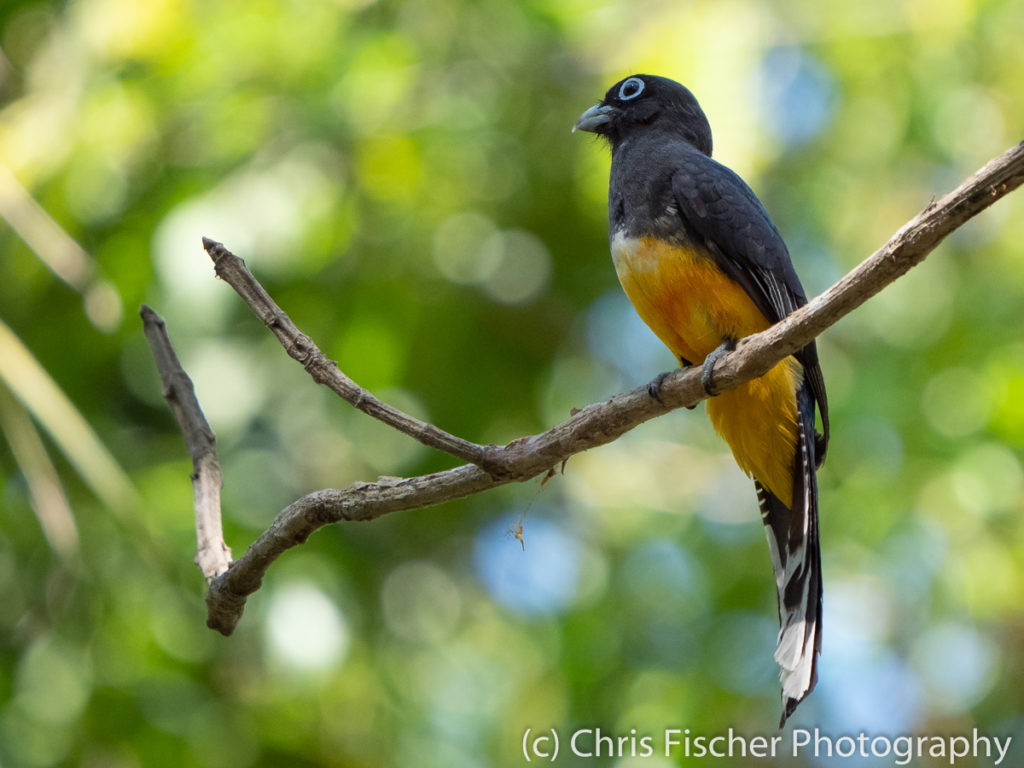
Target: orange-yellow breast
{"points": [[692, 305]]}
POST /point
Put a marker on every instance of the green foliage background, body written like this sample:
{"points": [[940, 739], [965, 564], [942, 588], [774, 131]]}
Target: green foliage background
{"points": [[402, 178]]}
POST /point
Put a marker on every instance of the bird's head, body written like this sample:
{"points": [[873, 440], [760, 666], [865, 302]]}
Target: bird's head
{"points": [[647, 102]]}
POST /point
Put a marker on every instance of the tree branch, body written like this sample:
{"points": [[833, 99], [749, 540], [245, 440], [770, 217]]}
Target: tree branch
{"points": [[592, 426], [299, 346], [212, 555]]}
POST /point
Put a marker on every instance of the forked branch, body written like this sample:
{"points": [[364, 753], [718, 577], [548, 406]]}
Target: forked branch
{"points": [[594, 425]]}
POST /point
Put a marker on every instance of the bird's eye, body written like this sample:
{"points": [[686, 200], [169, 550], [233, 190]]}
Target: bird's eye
{"points": [[632, 88]]}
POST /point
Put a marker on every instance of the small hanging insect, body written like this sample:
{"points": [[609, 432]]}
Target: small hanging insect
{"points": [[516, 532]]}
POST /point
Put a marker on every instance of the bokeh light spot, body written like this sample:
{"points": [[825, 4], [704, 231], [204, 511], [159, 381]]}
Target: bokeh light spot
{"points": [[540, 580], [988, 478], [523, 266], [457, 248], [227, 382], [957, 401], [52, 683], [304, 629], [797, 91], [956, 664]]}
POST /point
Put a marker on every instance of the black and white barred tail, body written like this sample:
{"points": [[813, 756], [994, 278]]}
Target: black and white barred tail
{"points": [[796, 558]]}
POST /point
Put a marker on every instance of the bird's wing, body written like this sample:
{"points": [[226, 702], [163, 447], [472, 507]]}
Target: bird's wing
{"points": [[724, 215]]}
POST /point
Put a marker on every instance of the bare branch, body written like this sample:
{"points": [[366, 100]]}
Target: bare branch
{"points": [[592, 426], [212, 555], [299, 346]]}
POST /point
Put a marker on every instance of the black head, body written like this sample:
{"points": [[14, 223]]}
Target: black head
{"points": [[640, 102]]}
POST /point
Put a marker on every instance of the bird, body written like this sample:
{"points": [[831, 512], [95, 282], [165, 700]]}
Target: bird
{"points": [[703, 265]]}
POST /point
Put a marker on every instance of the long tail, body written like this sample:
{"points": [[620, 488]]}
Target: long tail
{"points": [[796, 557]]}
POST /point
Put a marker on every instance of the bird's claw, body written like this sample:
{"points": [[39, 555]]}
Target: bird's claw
{"points": [[707, 370]]}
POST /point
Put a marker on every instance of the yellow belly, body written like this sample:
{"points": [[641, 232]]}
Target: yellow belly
{"points": [[692, 305]]}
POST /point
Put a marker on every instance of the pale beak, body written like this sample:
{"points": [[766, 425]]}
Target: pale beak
{"points": [[595, 118]]}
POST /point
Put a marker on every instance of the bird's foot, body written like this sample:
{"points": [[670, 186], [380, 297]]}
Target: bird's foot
{"points": [[707, 370], [654, 386]]}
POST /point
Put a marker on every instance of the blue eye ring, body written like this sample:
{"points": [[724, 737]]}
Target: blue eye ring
{"points": [[631, 88]]}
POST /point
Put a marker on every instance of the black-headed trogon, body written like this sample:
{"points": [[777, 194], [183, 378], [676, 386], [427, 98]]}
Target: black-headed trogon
{"points": [[703, 265]]}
